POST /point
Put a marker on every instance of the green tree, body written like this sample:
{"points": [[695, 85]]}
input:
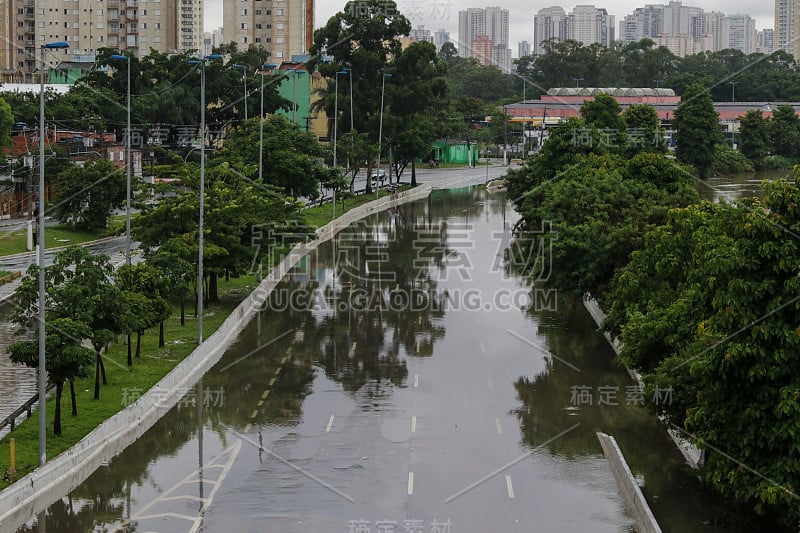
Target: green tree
{"points": [[78, 287], [418, 103], [173, 260], [697, 129], [645, 133], [754, 138], [235, 209], [146, 280], [707, 309], [66, 358], [85, 196], [364, 37], [291, 158], [785, 131], [6, 122], [605, 114]]}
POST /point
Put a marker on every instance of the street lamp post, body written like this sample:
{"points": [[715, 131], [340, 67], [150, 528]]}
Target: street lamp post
{"points": [[380, 127], [202, 62], [128, 164], [335, 129], [261, 125], [42, 381], [243, 68], [577, 82], [349, 71]]}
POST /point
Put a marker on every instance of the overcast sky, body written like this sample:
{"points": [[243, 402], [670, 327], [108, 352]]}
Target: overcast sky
{"points": [[436, 14]]}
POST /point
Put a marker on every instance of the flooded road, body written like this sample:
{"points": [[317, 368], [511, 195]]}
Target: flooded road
{"points": [[401, 377]]}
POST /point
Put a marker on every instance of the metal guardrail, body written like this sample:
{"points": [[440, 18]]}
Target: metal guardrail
{"points": [[11, 420]]}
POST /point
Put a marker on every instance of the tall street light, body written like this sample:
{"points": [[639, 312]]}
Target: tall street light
{"points": [[291, 69], [380, 127], [42, 382], [202, 63], [128, 163], [335, 129], [350, 71], [577, 82], [243, 68], [270, 66]]}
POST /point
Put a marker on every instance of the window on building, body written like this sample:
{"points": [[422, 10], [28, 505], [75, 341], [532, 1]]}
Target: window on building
{"points": [[279, 40], [244, 40], [279, 12], [258, 11], [156, 39], [279, 26], [111, 158], [244, 12]]}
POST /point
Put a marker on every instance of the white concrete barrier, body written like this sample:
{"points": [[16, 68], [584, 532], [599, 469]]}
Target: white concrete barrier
{"points": [[39, 489], [628, 488]]}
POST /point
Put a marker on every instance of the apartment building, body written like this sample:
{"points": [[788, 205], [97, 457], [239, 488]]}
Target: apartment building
{"points": [[283, 27], [588, 24], [130, 26], [471, 23], [548, 23]]}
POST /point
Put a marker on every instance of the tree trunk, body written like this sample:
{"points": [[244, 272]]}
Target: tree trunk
{"points": [[102, 367], [227, 275], [413, 173], [183, 310], [72, 397], [196, 301], [161, 334], [368, 187], [138, 343], [96, 376], [130, 360], [57, 416], [213, 295]]}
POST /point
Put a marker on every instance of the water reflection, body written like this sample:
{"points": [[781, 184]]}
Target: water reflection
{"points": [[735, 186], [333, 338]]}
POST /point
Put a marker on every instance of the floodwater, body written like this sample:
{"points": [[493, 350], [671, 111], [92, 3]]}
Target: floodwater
{"points": [[403, 376], [734, 186]]}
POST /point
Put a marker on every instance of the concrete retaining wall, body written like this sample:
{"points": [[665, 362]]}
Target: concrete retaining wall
{"points": [[628, 488], [39, 489]]}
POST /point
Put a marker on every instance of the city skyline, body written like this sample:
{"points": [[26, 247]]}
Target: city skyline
{"points": [[443, 14]]}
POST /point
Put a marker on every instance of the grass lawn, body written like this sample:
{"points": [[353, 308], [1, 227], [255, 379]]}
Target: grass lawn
{"points": [[146, 371], [14, 242], [320, 215]]}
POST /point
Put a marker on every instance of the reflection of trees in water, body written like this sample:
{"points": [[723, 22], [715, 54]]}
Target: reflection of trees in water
{"points": [[548, 403], [385, 309], [104, 498], [546, 409]]}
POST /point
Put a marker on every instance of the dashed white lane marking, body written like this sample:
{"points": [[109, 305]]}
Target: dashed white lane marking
{"points": [[265, 394], [416, 380], [254, 413], [277, 371], [285, 358], [413, 424], [483, 348], [272, 382], [410, 483], [330, 424], [353, 347], [510, 487], [497, 425]]}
